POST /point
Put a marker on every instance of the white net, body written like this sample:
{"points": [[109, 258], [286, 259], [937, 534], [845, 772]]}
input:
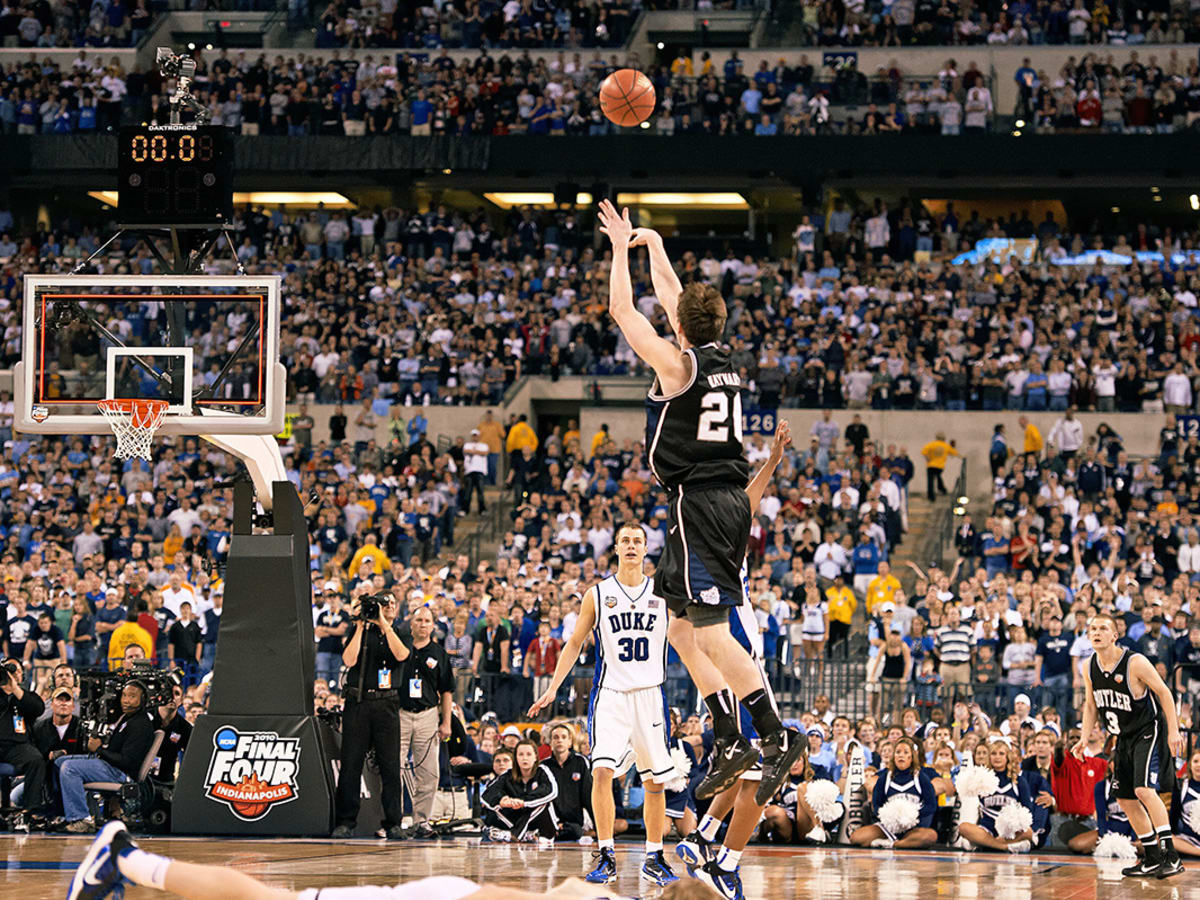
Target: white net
{"points": [[134, 422]]}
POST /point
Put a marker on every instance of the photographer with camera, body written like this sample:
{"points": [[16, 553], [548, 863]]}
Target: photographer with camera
{"points": [[371, 717], [177, 731], [19, 709], [117, 759]]}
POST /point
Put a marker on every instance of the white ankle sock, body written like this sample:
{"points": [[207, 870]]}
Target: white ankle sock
{"points": [[708, 827], [653, 848], [146, 869], [729, 859], [606, 844]]}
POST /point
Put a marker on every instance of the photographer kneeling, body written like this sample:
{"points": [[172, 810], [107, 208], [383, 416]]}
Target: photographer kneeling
{"points": [[371, 717], [19, 709], [118, 759]]}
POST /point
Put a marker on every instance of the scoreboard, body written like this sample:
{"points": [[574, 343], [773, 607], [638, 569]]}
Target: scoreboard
{"points": [[175, 175]]}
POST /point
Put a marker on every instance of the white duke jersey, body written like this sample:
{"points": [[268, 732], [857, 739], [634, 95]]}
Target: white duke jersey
{"points": [[631, 636]]}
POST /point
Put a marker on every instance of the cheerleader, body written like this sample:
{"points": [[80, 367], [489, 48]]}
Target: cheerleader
{"points": [[902, 825], [814, 624], [681, 805], [993, 820], [1110, 819], [1185, 808], [789, 817]]}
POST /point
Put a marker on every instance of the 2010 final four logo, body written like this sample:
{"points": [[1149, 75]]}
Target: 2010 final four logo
{"points": [[252, 772]]}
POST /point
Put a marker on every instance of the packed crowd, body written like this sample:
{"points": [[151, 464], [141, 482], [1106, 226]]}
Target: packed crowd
{"points": [[482, 305], [517, 94], [115, 23], [902, 23]]}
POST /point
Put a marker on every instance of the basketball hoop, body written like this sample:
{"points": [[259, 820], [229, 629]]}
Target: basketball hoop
{"points": [[134, 422]]}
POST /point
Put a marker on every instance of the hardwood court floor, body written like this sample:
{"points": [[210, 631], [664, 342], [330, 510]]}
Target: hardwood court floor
{"points": [[39, 868]]}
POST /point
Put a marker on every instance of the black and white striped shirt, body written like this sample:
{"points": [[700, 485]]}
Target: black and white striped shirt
{"points": [[954, 644]]}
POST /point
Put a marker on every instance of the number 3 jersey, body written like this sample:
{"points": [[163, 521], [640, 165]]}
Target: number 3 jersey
{"points": [[1121, 712], [694, 436], [631, 636]]}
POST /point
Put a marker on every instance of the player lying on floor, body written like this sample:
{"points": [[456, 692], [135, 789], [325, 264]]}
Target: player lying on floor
{"points": [[113, 861]]}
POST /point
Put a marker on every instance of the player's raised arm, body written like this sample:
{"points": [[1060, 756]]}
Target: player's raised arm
{"points": [[667, 287], [1145, 672], [570, 651], [657, 352], [758, 484]]}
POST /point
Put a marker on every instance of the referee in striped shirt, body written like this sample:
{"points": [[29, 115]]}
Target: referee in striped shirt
{"points": [[953, 643]]}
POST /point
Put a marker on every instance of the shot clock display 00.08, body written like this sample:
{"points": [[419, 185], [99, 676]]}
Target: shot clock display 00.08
{"points": [[175, 175]]}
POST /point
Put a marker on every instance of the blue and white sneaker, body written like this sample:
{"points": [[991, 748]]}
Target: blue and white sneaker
{"points": [[727, 884], [655, 869], [694, 851], [98, 876], [606, 868], [493, 835]]}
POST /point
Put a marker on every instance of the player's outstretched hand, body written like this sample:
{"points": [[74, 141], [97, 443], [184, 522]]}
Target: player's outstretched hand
{"points": [[616, 225], [1079, 748], [541, 703], [783, 437], [645, 237]]}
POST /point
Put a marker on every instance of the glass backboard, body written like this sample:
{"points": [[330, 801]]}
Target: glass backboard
{"points": [[208, 345]]}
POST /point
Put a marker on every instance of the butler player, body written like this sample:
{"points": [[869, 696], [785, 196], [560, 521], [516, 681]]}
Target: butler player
{"points": [[1125, 693], [694, 447], [627, 713]]}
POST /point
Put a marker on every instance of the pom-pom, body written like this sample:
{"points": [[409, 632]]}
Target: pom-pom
{"points": [[822, 798], [976, 781], [1114, 846], [900, 814], [683, 767], [1012, 820]]}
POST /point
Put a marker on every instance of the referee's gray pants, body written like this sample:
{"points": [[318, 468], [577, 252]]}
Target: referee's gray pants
{"points": [[419, 736]]}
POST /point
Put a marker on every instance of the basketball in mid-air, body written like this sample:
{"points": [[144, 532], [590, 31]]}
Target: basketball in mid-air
{"points": [[627, 97]]}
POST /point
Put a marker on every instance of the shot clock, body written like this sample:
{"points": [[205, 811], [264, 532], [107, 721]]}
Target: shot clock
{"points": [[175, 175]]}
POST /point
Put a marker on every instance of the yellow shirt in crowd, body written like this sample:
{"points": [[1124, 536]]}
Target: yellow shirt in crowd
{"points": [[842, 603], [937, 453], [880, 590]]}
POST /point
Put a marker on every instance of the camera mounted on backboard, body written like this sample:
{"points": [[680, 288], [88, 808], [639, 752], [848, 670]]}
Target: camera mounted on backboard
{"points": [[181, 67]]}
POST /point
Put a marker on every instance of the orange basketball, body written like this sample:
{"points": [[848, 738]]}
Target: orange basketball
{"points": [[627, 97]]}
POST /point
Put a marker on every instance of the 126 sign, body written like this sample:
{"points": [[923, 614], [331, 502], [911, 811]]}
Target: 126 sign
{"points": [[759, 421]]}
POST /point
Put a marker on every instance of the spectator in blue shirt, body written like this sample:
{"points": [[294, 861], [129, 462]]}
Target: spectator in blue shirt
{"points": [[1054, 668], [995, 551], [766, 128], [751, 97]]}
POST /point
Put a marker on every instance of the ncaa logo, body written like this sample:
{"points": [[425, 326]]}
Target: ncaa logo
{"points": [[252, 772]]}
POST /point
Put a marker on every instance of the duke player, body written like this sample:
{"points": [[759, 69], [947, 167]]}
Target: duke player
{"points": [[1125, 694], [628, 719], [694, 448]]}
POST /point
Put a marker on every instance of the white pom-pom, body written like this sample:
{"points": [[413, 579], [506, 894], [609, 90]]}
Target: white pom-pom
{"points": [[976, 781], [1012, 820], [900, 814], [683, 767], [822, 798], [1114, 846]]}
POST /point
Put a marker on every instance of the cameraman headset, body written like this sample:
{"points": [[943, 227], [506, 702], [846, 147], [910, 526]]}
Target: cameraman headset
{"points": [[371, 717], [117, 759], [19, 709]]}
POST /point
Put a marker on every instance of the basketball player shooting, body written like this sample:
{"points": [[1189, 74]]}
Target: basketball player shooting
{"points": [[627, 712], [694, 448], [1125, 691]]}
